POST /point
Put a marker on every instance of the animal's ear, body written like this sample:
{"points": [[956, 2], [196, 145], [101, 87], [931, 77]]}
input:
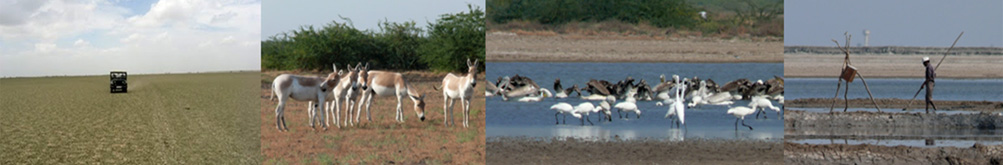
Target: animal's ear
{"points": [[340, 72], [367, 66], [475, 62], [335, 66], [468, 62]]}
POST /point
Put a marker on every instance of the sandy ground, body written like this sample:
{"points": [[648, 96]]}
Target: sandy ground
{"points": [[573, 151], [874, 66], [381, 141], [203, 118], [873, 154], [897, 104], [577, 48]]}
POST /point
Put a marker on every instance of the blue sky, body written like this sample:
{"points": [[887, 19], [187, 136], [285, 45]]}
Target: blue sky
{"points": [[895, 23], [284, 16], [72, 37]]}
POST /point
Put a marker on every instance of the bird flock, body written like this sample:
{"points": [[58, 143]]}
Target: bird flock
{"points": [[624, 96]]}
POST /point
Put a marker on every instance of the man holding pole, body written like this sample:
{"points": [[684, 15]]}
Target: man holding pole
{"points": [[930, 75]]}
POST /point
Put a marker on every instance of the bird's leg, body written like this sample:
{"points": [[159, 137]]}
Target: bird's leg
{"points": [[565, 119], [743, 124], [736, 124], [618, 113], [590, 121], [555, 118]]}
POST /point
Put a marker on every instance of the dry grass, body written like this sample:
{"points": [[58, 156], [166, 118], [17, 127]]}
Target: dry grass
{"points": [[164, 119]]}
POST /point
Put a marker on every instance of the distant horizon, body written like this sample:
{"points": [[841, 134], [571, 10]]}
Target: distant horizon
{"points": [[130, 74]]}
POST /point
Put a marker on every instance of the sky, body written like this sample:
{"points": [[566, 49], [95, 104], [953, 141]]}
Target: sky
{"points": [[284, 16], [94, 37], [933, 23]]}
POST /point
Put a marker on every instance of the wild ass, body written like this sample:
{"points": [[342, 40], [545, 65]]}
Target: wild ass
{"points": [[383, 83], [459, 87], [345, 90], [303, 88]]}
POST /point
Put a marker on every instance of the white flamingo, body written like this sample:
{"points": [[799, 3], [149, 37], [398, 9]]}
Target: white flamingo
{"points": [[740, 112], [544, 93], [761, 102], [677, 108], [564, 108], [585, 108]]}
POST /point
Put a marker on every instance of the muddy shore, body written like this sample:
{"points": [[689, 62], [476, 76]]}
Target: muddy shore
{"points": [[795, 153], [520, 150], [579, 48], [896, 105], [801, 119]]}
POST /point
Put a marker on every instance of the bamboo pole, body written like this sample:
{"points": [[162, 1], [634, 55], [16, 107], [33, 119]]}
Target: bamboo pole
{"points": [[935, 69]]}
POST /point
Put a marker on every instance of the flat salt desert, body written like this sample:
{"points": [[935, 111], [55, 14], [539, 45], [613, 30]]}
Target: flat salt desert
{"points": [[164, 119], [897, 66], [381, 141]]}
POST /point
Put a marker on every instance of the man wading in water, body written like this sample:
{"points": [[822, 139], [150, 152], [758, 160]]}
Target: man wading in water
{"points": [[930, 75]]}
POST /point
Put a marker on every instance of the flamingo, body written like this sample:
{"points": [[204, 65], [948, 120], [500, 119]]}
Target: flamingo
{"points": [[677, 108], [584, 108], [762, 102], [543, 94], [740, 112], [562, 108]]}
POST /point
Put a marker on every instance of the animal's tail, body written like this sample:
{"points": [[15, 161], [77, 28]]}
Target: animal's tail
{"points": [[271, 95], [435, 88]]}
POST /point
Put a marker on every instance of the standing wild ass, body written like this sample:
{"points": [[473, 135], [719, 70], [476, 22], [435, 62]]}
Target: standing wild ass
{"points": [[382, 83], [459, 87], [345, 90], [302, 88]]}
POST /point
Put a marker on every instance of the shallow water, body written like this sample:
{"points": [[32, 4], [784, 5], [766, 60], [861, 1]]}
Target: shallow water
{"points": [[902, 88], [511, 118]]}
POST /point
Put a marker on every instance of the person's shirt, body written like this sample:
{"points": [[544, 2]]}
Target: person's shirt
{"points": [[930, 75]]}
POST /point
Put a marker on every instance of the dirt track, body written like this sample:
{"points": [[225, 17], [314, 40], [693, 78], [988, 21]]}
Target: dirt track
{"points": [[572, 151], [872, 154], [577, 48], [382, 141], [898, 104]]}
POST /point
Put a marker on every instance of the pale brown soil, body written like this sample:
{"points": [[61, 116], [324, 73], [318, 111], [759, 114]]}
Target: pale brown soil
{"points": [[795, 153], [381, 141], [502, 47], [574, 151], [897, 104], [874, 66]]}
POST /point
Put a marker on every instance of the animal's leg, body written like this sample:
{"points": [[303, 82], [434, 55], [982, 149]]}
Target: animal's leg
{"points": [[555, 118], [278, 115], [743, 124], [445, 110], [736, 124], [466, 113], [400, 109], [310, 113], [365, 99]]}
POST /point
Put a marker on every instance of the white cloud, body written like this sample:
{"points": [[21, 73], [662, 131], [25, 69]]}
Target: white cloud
{"points": [[45, 47], [81, 43]]}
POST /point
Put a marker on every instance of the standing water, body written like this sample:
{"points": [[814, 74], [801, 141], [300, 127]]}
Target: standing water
{"points": [[535, 119]]}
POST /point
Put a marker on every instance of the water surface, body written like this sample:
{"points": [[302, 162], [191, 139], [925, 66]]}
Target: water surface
{"points": [[510, 118]]}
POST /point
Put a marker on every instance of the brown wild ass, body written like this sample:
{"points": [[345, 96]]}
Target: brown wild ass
{"points": [[383, 83], [459, 87], [303, 88]]}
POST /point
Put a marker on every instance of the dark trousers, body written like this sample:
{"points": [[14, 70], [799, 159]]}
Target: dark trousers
{"points": [[929, 97]]}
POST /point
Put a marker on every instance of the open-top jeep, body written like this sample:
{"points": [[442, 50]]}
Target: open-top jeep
{"points": [[118, 84]]}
